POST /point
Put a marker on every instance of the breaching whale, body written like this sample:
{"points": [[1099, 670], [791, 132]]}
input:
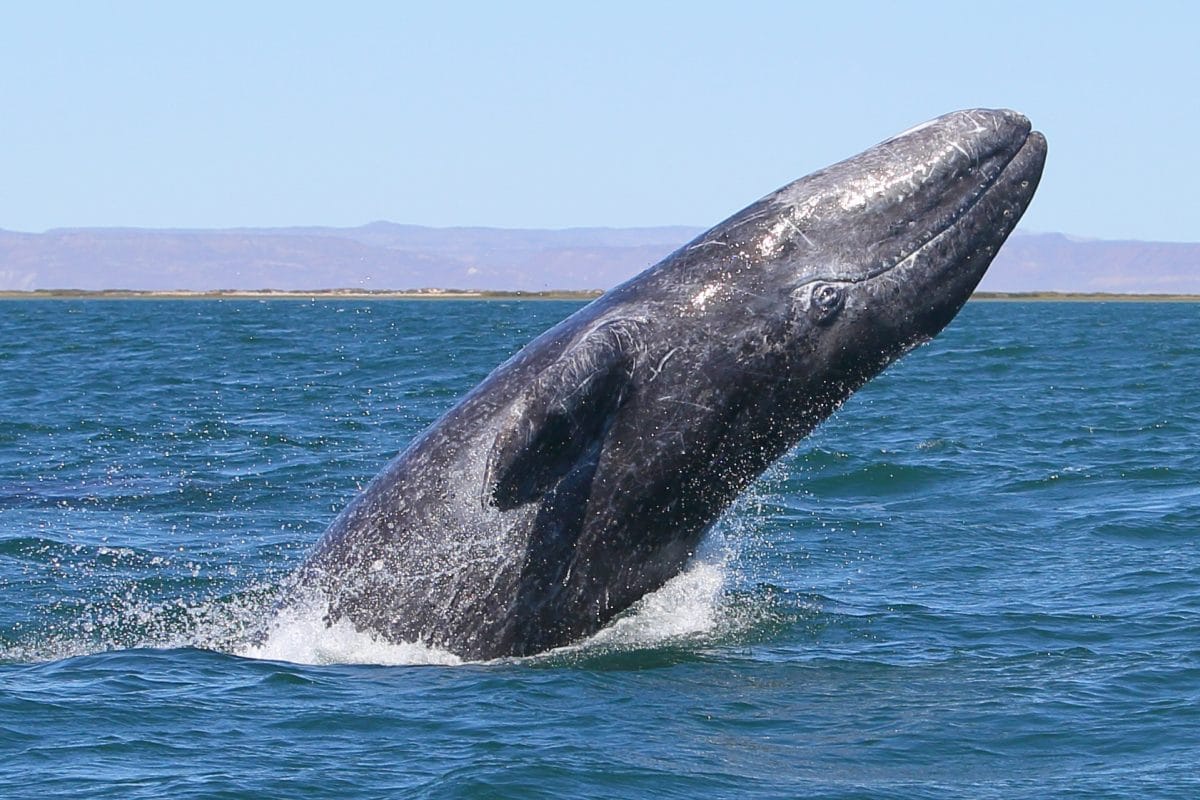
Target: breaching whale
{"points": [[582, 473]]}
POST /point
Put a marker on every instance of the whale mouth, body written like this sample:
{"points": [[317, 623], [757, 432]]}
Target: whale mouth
{"points": [[940, 274], [994, 207], [959, 185]]}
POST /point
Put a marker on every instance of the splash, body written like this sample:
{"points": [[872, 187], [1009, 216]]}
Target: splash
{"points": [[300, 634], [686, 608], [693, 609]]}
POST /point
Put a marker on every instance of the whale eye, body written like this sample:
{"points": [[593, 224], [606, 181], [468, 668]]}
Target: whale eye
{"points": [[826, 302]]}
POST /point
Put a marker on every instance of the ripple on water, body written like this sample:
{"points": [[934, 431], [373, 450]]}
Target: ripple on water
{"points": [[980, 578]]}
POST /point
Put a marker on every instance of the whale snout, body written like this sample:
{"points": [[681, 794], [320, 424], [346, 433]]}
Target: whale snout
{"points": [[983, 130], [996, 123], [991, 163]]}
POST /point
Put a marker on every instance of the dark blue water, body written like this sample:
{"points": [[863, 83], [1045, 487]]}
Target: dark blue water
{"points": [[980, 579]]}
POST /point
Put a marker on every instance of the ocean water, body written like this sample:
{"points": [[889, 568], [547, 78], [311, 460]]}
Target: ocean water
{"points": [[981, 578]]}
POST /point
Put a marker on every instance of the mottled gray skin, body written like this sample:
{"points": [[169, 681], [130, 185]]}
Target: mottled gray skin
{"points": [[583, 472]]}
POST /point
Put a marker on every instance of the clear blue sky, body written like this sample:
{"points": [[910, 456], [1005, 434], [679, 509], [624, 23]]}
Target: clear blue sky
{"points": [[560, 114]]}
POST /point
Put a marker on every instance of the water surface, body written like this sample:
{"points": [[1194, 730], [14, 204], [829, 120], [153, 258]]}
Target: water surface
{"points": [[981, 578]]}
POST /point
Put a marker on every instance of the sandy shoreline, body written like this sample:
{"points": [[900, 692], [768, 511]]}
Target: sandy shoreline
{"points": [[280, 294], [456, 294], [1084, 297]]}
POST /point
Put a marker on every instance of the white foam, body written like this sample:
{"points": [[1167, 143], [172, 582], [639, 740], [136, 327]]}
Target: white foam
{"points": [[686, 606], [299, 634]]}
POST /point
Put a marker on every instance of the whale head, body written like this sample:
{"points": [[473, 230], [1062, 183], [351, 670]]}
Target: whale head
{"points": [[829, 279], [887, 246]]}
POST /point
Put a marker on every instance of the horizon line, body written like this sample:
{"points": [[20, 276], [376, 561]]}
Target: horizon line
{"points": [[435, 293], [1019, 231]]}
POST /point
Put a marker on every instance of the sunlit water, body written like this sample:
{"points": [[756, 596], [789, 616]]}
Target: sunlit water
{"points": [[980, 579]]}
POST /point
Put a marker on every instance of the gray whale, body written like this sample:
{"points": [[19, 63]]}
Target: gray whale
{"points": [[583, 472]]}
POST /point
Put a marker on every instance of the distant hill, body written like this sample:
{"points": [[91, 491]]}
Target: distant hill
{"points": [[385, 255], [1052, 262]]}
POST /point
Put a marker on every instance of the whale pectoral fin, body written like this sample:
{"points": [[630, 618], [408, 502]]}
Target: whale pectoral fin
{"points": [[563, 417]]}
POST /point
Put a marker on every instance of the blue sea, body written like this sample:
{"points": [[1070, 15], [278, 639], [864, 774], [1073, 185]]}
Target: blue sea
{"points": [[980, 578]]}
